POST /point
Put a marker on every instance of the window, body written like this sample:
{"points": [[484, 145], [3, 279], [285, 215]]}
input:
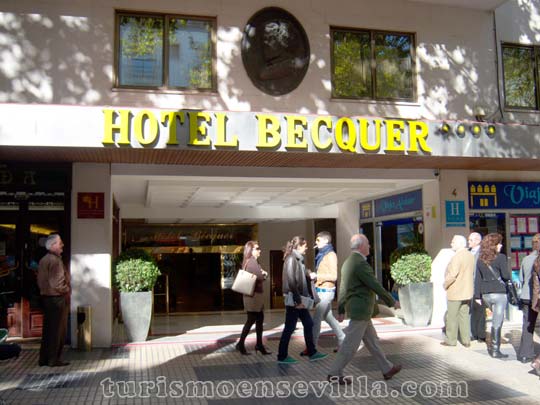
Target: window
{"points": [[165, 52], [520, 67], [373, 65]]}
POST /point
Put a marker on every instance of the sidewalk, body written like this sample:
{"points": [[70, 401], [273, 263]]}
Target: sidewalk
{"points": [[195, 356]]}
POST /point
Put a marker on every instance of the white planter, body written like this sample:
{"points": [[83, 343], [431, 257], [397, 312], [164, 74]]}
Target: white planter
{"points": [[137, 314]]}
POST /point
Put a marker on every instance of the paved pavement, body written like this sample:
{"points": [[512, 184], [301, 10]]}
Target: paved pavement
{"points": [[192, 360]]}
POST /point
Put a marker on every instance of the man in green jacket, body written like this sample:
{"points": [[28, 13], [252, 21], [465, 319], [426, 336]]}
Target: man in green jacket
{"points": [[357, 297]]}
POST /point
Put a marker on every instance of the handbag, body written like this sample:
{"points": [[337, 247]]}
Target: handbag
{"points": [[289, 301], [511, 292], [244, 283]]}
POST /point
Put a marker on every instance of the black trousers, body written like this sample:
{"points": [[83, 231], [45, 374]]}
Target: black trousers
{"points": [[526, 346], [55, 311], [478, 320]]}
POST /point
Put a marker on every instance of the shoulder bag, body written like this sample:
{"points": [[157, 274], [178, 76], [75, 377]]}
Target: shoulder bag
{"points": [[511, 292], [244, 283]]}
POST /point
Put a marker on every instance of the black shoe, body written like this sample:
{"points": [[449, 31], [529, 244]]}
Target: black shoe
{"points": [[60, 364], [242, 349], [525, 360], [333, 379], [392, 372], [263, 350], [42, 364], [482, 340]]}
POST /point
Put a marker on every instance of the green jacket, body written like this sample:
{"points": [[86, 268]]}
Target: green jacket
{"points": [[358, 288]]}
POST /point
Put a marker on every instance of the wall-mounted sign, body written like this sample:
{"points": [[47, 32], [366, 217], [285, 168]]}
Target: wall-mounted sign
{"points": [[90, 205], [366, 211], [455, 213], [503, 195], [396, 204]]}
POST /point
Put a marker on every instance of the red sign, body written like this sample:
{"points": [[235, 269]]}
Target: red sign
{"points": [[90, 205]]}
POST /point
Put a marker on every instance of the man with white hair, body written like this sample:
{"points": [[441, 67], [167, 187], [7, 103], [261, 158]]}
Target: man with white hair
{"points": [[357, 292], [53, 282], [458, 283]]}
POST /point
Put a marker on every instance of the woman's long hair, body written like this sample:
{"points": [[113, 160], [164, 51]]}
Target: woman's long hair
{"points": [[293, 244], [488, 247], [248, 251]]}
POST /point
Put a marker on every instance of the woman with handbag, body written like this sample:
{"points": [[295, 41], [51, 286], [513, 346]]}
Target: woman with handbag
{"points": [[535, 303], [490, 286], [296, 291], [253, 304]]}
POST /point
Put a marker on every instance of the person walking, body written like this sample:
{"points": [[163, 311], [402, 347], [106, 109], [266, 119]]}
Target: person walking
{"points": [[254, 304], [492, 274], [478, 311], [53, 283], [325, 285], [296, 290], [535, 303], [357, 291], [458, 283], [525, 352]]}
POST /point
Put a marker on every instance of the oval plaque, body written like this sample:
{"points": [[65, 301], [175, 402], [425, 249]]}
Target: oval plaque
{"points": [[275, 51]]}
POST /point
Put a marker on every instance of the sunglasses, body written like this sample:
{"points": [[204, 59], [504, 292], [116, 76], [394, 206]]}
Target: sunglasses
{"points": [[257, 248]]}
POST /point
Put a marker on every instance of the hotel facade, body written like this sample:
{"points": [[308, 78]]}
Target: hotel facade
{"points": [[188, 128]]}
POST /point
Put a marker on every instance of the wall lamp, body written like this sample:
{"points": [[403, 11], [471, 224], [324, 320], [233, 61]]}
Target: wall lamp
{"points": [[491, 130], [445, 128], [460, 130], [476, 130]]}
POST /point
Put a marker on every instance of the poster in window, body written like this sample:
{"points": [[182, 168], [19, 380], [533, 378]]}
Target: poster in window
{"points": [[513, 225], [521, 225], [515, 260], [532, 224], [515, 242], [527, 242]]}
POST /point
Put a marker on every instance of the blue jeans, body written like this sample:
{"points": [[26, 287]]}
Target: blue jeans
{"points": [[291, 318]]}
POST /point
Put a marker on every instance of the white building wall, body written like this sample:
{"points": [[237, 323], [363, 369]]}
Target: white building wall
{"points": [[68, 56], [91, 246]]}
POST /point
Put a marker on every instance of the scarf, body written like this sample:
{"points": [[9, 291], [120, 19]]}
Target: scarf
{"points": [[321, 253]]}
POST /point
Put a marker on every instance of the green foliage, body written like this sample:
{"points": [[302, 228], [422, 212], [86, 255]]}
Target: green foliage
{"points": [[142, 35], [414, 247], [518, 77], [135, 270], [411, 268]]}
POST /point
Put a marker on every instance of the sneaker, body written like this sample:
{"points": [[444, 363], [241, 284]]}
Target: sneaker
{"points": [[287, 360], [317, 356], [335, 379]]}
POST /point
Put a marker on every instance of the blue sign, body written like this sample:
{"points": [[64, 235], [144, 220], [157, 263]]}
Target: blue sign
{"points": [[406, 202], [455, 213], [488, 195]]}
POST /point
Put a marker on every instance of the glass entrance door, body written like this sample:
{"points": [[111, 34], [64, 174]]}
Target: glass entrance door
{"points": [[22, 244]]}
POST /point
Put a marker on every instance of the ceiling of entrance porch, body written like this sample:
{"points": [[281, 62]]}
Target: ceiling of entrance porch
{"points": [[195, 199], [473, 4]]}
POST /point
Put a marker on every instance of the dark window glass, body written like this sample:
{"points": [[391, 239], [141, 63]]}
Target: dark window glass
{"points": [[372, 65], [519, 80], [352, 60], [143, 48], [393, 65], [141, 51]]}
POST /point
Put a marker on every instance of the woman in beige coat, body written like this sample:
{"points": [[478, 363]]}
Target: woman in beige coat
{"points": [[254, 304]]}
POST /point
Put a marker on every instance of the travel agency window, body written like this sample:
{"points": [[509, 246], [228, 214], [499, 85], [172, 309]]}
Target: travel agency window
{"points": [[165, 52], [374, 65], [520, 72]]}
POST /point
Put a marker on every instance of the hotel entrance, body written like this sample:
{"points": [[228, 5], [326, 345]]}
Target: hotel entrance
{"points": [[23, 231]]}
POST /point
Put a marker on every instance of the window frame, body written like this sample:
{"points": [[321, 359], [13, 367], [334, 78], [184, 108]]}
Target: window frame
{"points": [[373, 69], [165, 87], [536, 66]]}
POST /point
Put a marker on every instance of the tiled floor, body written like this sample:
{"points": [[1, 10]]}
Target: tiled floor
{"points": [[192, 360]]}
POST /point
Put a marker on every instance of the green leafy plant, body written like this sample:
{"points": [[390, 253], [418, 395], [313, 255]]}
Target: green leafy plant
{"points": [[135, 270], [411, 268], [414, 247]]}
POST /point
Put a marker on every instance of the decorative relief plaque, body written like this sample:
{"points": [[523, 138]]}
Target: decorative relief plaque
{"points": [[275, 51]]}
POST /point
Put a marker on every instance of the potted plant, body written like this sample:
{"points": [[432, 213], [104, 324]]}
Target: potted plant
{"points": [[411, 272], [135, 274]]}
